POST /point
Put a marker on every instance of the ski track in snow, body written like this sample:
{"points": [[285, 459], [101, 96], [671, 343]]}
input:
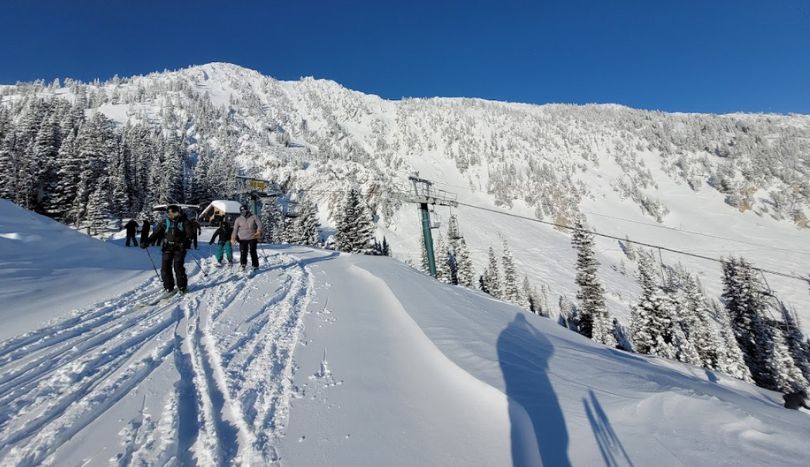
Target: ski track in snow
{"points": [[230, 340]]}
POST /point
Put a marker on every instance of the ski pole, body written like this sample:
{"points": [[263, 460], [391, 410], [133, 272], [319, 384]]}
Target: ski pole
{"points": [[153, 262], [199, 265]]}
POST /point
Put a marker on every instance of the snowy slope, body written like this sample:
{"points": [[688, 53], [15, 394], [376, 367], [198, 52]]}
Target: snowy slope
{"points": [[45, 265], [333, 359]]}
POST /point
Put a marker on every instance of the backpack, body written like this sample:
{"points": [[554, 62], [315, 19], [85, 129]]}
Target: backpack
{"points": [[176, 235]]}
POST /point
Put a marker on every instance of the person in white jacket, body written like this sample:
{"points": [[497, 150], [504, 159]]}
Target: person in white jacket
{"points": [[247, 230]]}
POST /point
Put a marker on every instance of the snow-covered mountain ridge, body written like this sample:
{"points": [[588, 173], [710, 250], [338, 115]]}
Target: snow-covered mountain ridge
{"points": [[742, 177]]}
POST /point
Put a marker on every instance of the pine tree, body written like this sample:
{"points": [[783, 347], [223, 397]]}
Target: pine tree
{"points": [[731, 360], [743, 298], [44, 159], [386, 248], [354, 232], [465, 272], [98, 208], [785, 375], [443, 274], [529, 297], [9, 188], [492, 276], [511, 291], [697, 324], [795, 340], [171, 179], [307, 225], [590, 293], [121, 206], [68, 174], [95, 144], [652, 317], [270, 217], [569, 315], [622, 336]]}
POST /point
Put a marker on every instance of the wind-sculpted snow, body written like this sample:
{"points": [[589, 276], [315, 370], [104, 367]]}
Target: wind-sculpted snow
{"points": [[227, 345]]}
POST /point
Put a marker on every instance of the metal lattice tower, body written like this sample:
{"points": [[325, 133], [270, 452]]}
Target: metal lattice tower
{"points": [[424, 194]]}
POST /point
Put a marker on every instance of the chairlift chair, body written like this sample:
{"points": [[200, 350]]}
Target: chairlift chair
{"points": [[435, 219]]}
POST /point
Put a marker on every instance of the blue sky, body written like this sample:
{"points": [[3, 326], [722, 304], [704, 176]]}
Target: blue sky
{"points": [[678, 55]]}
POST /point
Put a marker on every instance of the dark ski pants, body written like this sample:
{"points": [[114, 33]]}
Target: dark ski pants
{"points": [[173, 259], [194, 241], [132, 238], [244, 245]]}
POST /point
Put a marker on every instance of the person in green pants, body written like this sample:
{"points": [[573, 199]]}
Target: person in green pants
{"points": [[223, 238]]}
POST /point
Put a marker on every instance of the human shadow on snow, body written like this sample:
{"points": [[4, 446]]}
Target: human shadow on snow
{"points": [[523, 353]]}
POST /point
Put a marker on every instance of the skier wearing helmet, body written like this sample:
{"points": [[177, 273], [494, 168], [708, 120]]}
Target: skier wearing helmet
{"points": [[174, 231]]}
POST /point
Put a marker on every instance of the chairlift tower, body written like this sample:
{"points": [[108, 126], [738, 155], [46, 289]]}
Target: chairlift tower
{"points": [[256, 188], [424, 194]]}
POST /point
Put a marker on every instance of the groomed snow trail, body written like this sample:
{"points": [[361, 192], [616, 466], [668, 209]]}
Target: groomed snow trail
{"points": [[204, 378]]}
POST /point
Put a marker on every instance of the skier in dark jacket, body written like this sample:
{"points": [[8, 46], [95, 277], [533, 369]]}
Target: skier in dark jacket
{"points": [[223, 233], [195, 231], [174, 232], [132, 228], [145, 232]]}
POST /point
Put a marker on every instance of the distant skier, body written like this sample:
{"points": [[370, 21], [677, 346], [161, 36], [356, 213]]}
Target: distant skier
{"points": [[145, 232], [196, 230], [223, 233], [796, 400], [174, 232], [247, 230], [132, 228]]}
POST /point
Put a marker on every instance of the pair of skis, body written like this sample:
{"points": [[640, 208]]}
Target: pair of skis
{"points": [[164, 297]]}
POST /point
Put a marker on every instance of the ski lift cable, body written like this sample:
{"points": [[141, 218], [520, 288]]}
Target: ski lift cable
{"points": [[703, 234], [613, 237], [648, 245], [675, 229]]}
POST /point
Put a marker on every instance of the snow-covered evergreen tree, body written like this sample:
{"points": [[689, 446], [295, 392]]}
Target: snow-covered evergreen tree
{"points": [[443, 273], [795, 340], [464, 266], [730, 359], [785, 375], [98, 208], [528, 297], [9, 154], [354, 232], [569, 315], [271, 218], [67, 180], [307, 225], [743, 299], [492, 277], [511, 289], [652, 316], [595, 321], [622, 336]]}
